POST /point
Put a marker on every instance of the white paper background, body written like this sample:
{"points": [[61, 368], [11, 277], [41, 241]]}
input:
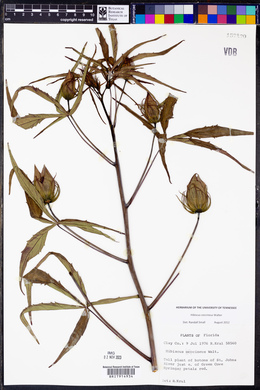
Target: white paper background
{"points": [[219, 266]]}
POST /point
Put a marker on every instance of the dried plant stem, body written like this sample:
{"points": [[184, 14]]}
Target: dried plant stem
{"points": [[147, 168], [87, 140], [128, 245], [173, 277]]}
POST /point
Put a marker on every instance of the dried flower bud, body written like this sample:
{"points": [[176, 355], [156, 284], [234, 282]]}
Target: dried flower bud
{"points": [[151, 109], [45, 184], [92, 81], [68, 87], [196, 199]]}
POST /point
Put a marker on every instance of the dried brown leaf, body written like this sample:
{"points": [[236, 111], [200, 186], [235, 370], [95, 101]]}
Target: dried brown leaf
{"points": [[106, 301], [73, 273], [31, 120], [41, 94], [143, 120], [33, 248], [75, 336], [162, 150], [86, 226], [129, 51], [207, 145], [153, 79], [214, 132], [103, 44], [41, 277], [44, 306], [160, 53], [14, 113], [113, 35]]}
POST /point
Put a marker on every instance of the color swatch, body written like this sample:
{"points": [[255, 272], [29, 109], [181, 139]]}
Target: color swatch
{"points": [[226, 14], [162, 13]]}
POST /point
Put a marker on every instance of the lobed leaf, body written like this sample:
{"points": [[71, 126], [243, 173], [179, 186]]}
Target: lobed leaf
{"points": [[43, 306], [52, 123], [73, 273], [207, 145], [129, 51], [31, 120], [33, 248], [41, 277], [41, 94], [75, 336]]}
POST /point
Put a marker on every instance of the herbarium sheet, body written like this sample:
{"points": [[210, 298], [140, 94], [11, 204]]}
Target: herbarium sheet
{"points": [[129, 210]]}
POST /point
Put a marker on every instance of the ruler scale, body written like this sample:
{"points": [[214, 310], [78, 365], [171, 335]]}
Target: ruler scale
{"points": [[66, 13]]}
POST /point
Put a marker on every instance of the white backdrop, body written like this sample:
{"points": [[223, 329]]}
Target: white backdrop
{"points": [[219, 267]]}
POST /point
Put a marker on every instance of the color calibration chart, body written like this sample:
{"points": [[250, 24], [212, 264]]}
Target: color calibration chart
{"points": [[135, 13], [151, 13]]}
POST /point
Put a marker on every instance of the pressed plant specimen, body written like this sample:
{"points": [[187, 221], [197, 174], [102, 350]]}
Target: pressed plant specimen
{"points": [[108, 81]]}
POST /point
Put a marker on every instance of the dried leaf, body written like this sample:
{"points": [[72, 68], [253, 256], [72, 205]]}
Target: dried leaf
{"points": [[153, 79], [28, 286], [44, 306], [106, 301], [160, 53], [35, 210], [31, 120], [213, 132], [41, 277], [33, 248], [143, 120], [167, 111], [114, 41], [28, 187], [43, 95], [52, 123], [103, 44], [14, 113], [79, 59], [80, 91], [129, 51], [208, 145], [73, 273], [84, 225], [75, 336], [162, 149]]}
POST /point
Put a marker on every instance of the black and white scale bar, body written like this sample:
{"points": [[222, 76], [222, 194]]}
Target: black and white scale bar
{"points": [[50, 13]]}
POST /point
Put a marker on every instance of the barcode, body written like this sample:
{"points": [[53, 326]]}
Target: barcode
{"points": [[120, 372]]}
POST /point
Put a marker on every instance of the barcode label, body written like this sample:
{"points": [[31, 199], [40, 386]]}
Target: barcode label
{"points": [[120, 372]]}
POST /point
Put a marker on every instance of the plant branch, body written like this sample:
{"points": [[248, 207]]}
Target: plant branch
{"points": [[128, 244], [170, 280], [87, 140], [144, 174]]}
